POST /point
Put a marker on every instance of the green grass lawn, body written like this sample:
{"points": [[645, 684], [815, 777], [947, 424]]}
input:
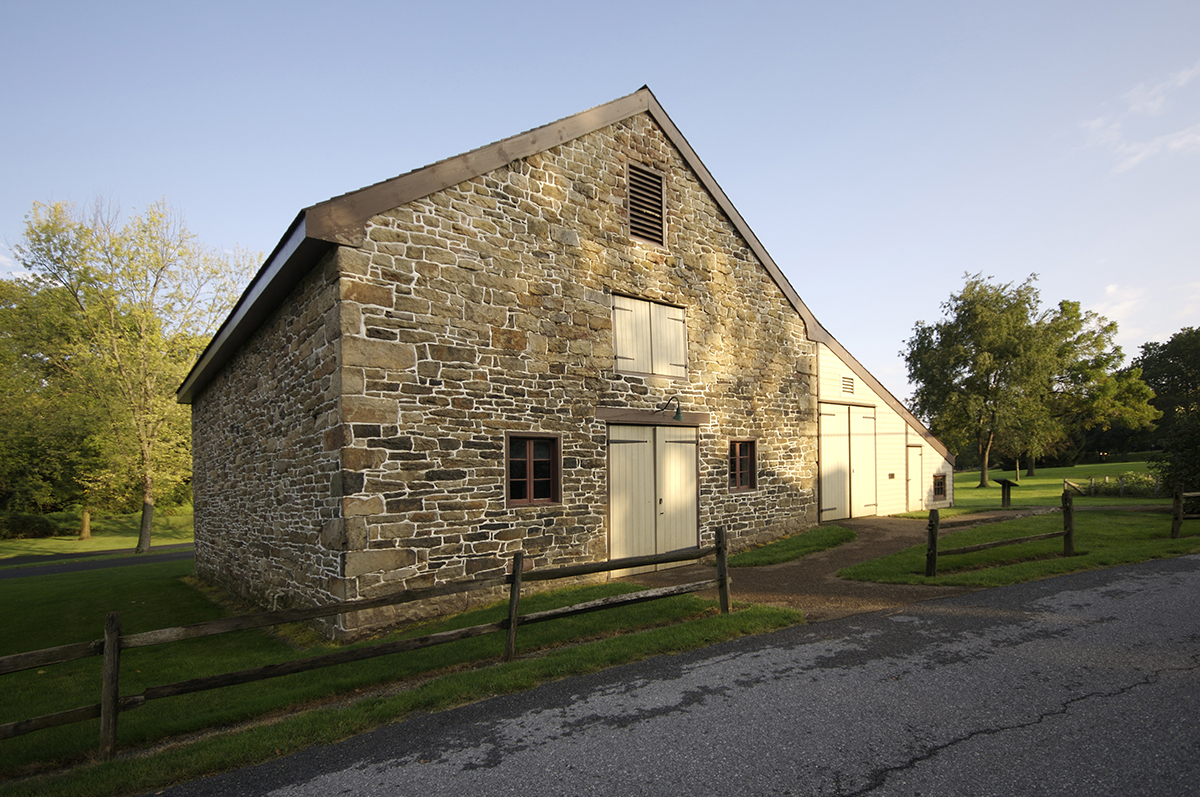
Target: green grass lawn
{"points": [[52, 610], [1046, 488], [1102, 538], [109, 532], [794, 547]]}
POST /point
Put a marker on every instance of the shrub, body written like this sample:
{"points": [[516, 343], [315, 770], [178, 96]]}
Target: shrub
{"points": [[1179, 463], [1137, 485], [22, 526]]}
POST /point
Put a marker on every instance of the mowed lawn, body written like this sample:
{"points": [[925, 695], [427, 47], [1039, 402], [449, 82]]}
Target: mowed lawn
{"points": [[1046, 488], [1106, 533], [52, 610], [109, 533]]}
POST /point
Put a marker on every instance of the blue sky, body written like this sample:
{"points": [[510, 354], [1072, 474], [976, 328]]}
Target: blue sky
{"points": [[879, 150]]}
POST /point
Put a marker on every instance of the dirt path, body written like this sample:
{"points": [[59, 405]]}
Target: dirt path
{"points": [[811, 583]]}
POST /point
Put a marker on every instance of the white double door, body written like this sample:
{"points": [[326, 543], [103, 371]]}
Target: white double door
{"points": [[847, 462], [653, 490]]}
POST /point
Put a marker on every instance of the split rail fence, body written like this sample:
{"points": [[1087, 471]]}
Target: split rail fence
{"points": [[112, 703], [1177, 516], [1068, 533]]}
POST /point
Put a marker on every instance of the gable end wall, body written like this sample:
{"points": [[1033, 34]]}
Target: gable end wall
{"points": [[372, 460]]}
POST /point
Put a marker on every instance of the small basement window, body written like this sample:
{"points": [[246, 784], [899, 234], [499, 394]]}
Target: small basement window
{"points": [[534, 471], [646, 209], [939, 485]]}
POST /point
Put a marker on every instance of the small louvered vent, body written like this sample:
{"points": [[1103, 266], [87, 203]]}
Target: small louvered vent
{"points": [[645, 204], [848, 384]]}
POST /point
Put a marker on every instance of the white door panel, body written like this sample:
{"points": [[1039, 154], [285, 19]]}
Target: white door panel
{"points": [[653, 496]]}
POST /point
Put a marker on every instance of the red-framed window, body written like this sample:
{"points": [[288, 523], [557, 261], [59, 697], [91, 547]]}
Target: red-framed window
{"points": [[742, 465], [534, 470]]}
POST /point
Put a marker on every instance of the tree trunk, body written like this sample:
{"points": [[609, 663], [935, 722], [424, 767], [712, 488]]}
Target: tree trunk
{"points": [[1016, 469], [985, 451], [143, 545], [85, 528], [1032, 471]]}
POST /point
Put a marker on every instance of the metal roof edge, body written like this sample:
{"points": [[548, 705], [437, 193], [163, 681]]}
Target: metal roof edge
{"points": [[258, 300]]}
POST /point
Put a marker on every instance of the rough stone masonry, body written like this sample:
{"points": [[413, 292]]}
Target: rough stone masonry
{"points": [[355, 445]]}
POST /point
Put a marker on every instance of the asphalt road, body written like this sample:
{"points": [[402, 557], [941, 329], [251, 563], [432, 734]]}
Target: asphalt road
{"points": [[1084, 684], [54, 564]]}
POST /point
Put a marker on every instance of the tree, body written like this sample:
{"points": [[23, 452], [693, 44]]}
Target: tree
{"points": [[48, 432], [1179, 461], [1173, 370], [1087, 391], [1003, 375], [132, 304], [970, 368]]}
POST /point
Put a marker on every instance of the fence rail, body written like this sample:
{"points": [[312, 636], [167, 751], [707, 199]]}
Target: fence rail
{"points": [[1177, 516], [111, 703], [1068, 534]]}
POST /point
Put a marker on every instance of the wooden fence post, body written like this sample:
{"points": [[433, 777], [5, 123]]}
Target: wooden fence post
{"points": [[1092, 486], [722, 570], [931, 551], [1177, 512], [1068, 505], [110, 682], [514, 605]]}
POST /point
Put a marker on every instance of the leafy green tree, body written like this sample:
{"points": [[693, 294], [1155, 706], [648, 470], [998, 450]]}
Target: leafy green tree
{"points": [[1087, 390], [971, 368], [47, 432], [1173, 370], [1003, 375], [127, 307]]}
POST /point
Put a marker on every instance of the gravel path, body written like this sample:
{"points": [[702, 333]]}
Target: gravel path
{"points": [[810, 583]]}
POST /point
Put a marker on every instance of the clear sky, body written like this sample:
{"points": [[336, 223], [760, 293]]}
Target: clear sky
{"points": [[879, 150]]}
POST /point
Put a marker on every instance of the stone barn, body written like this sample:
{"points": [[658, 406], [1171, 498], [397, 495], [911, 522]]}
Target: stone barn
{"points": [[567, 342]]}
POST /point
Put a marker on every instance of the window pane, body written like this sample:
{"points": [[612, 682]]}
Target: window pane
{"points": [[533, 469]]}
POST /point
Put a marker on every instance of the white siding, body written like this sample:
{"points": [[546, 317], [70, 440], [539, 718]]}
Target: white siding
{"points": [[894, 462]]}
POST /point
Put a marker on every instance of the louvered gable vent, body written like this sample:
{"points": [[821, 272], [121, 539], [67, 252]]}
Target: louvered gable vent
{"points": [[645, 204]]}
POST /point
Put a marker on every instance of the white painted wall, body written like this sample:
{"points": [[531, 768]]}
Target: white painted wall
{"points": [[839, 385]]}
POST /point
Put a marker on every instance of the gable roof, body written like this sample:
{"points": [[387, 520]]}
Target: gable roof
{"points": [[342, 221]]}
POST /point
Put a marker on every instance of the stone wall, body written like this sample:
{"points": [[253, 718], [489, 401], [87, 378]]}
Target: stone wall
{"points": [[266, 467], [356, 446], [486, 308]]}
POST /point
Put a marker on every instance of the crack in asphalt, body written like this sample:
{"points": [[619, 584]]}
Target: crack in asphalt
{"points": [[879, 777]]}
